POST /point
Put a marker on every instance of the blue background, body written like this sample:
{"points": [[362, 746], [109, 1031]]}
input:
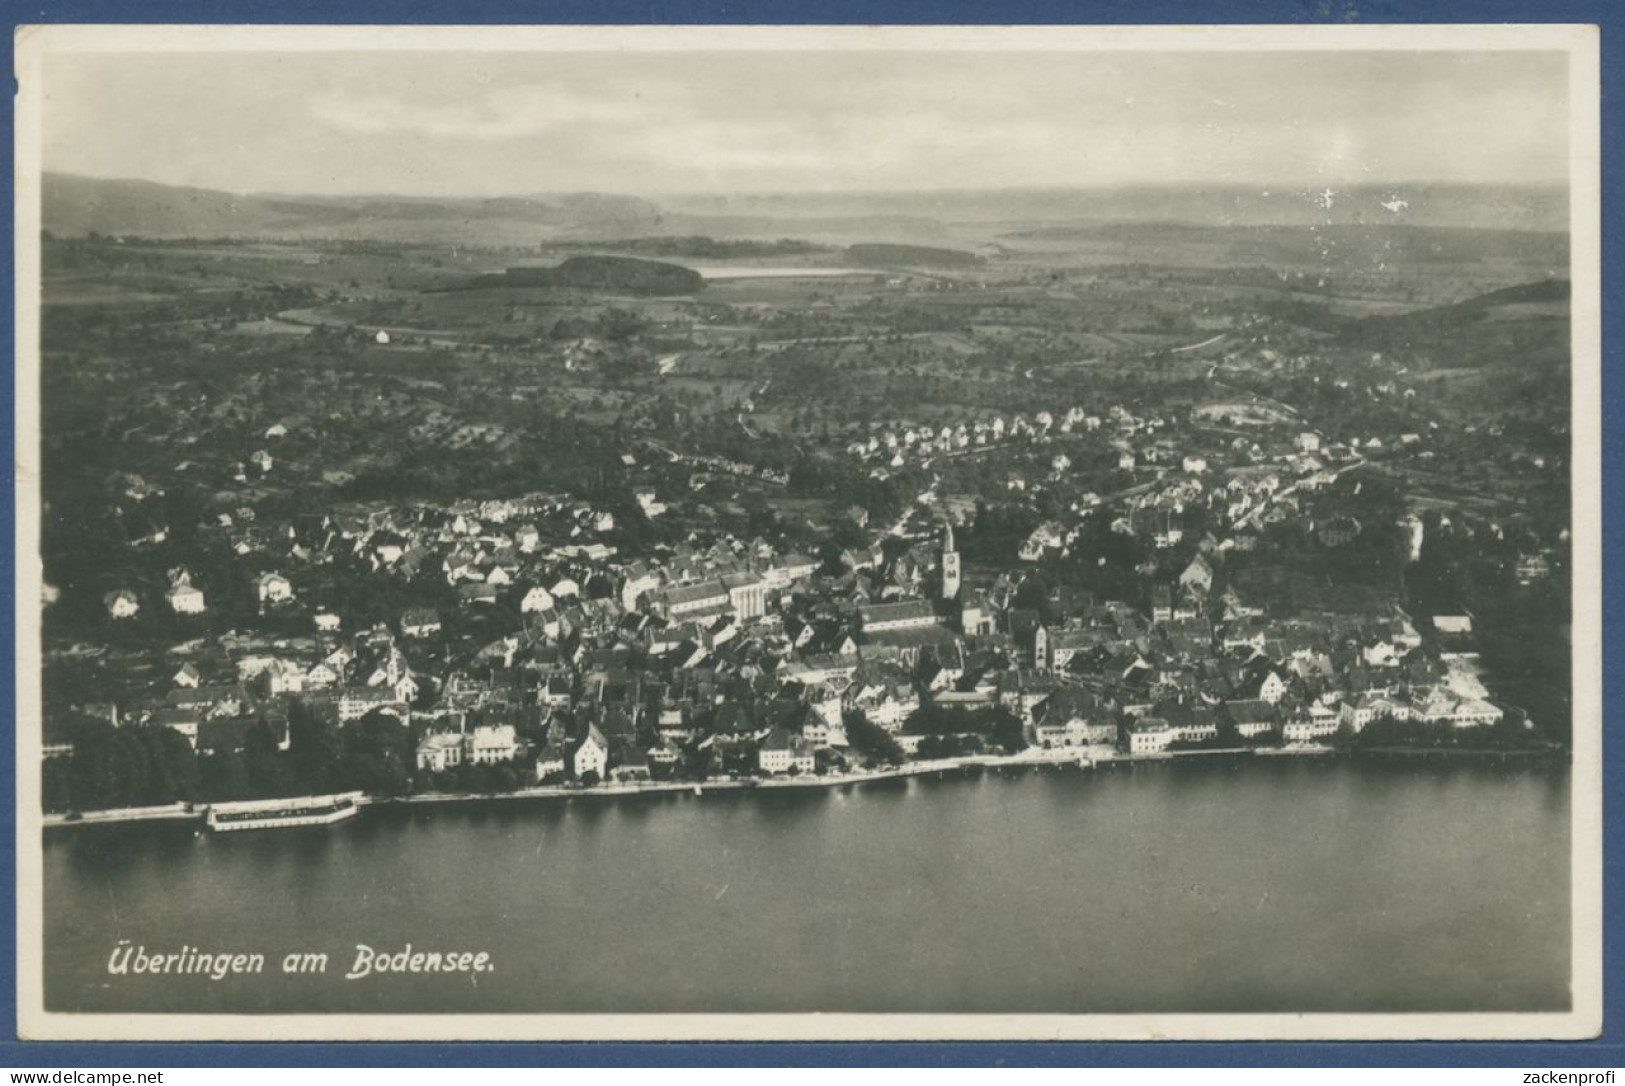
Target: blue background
{"points": [[1607, 1051]]}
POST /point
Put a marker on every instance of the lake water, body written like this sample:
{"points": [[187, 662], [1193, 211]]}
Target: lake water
{"points": [[1250, 886]]}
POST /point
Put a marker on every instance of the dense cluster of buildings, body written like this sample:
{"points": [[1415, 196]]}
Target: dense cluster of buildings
{"points": [[738, 656]]}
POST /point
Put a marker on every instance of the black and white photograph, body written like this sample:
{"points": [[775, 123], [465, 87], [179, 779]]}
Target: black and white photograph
{"points": [[820, 533]]}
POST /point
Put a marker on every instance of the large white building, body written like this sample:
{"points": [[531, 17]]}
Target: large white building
{"points": [[357, 701], [591, 755], [696, 599], [440, 752], [489, 744], [904, 615], [747, 594], [1150, 736], [781, 752]]}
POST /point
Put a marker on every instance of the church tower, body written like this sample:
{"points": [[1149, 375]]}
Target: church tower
{"points": [[950, 566]]}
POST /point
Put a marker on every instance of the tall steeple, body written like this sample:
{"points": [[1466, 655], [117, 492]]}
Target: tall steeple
{"points": [[950, 566]]}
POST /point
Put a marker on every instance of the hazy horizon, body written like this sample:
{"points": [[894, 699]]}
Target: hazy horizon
{"points": [[1264, 187], [691, 125]]}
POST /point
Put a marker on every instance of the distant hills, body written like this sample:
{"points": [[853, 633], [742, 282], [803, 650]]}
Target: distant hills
{"points": [[1526, 326], [76, 206], [1504, 207], [1336, 249], [80, 205]]}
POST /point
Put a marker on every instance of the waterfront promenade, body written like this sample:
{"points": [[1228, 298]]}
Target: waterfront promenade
{"points": [[1085, 757]]}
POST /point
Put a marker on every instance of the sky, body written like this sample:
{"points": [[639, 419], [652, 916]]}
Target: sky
{"points": [[489, 124]]}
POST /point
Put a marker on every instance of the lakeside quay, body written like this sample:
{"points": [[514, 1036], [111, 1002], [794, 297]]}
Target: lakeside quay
{"points": [[1082, 758], [636, 788]]}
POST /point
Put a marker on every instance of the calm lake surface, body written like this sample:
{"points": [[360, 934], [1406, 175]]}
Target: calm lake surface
{"points": [[1252, 885]]}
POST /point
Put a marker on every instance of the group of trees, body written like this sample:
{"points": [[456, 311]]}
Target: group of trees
{"points": [[829, 477], [479, 779], [138, 766], [950, 746], [1509, 734], [870, 740], [998, 728], [120, 767]]}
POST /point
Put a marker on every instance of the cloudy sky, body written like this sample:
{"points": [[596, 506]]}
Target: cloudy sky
{"points": [[641, 122]]}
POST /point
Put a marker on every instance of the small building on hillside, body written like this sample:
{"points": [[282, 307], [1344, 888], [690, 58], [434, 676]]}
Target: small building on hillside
{"points": [[273, 588], [185, 599], [420, 622]]}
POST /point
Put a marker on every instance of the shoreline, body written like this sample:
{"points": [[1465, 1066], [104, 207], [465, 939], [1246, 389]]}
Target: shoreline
{"points": [[1080, 758]]}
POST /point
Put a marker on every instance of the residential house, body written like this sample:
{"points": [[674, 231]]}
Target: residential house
{"points": [[440, 751], [478, 594], [640, 578], [185, 599], [1252, 717], [1072, 718], [355, 702], [1266, 686], [633, 766], [1197, 577], [781, 752], [1301, 728], [1453, 624], [273, 588], [420, 622], [1150, 735], [1162, 604], [184, 721], [122, 604], [489, 744], [551, 762]]}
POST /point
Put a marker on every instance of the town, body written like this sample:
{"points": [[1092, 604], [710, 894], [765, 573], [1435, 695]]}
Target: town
{"points": [[365, 522]]}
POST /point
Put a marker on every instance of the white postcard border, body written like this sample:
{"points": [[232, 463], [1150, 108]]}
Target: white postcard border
{"points": [[34, 44]]}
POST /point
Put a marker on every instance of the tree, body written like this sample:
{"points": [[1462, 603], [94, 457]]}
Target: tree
{"points": [[174, 765], [122, 767], [223, 777], [871, 739], [1007, 732]]}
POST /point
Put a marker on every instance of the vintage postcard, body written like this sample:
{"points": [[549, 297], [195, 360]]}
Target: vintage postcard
{"points": [[820, 533]]}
